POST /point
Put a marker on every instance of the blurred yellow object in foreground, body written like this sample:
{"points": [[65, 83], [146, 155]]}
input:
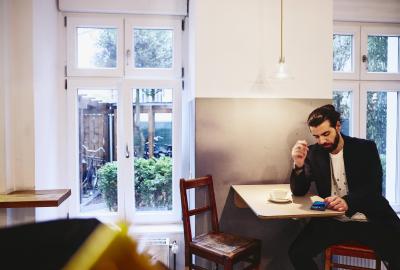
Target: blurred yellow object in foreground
{"points": [[110, 249]]}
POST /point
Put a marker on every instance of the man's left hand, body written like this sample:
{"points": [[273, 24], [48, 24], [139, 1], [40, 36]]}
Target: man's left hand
{"points": [[336, 203]]}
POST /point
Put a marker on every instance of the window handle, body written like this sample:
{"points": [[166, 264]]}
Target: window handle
{"points": [[128, 55], [127, 151], [364, 58]]}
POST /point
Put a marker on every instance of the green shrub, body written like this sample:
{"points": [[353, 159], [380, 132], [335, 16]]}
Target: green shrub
{"points": [[107, 176], [153, 183]]}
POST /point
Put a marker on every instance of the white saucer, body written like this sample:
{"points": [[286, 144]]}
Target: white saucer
{"points": [[284, 200]]}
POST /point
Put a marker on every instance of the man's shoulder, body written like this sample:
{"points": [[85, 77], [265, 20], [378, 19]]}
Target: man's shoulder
{"points": [[356, 141], [357, 145]]}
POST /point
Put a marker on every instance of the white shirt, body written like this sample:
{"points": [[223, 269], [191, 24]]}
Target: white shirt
{"points": [[339, 183]]}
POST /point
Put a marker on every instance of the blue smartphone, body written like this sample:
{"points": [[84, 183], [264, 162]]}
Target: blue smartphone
{"points": [[320, 206]]}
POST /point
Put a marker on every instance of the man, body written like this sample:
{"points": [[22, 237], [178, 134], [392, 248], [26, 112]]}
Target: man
{"points": [[347, 173]]}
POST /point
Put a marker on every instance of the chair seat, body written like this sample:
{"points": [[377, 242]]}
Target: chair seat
{"points": [[223, 244]]}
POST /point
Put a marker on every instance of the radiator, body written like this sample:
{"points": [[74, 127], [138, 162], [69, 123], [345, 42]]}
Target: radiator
{"points": [[367, 263], [160, 250]]}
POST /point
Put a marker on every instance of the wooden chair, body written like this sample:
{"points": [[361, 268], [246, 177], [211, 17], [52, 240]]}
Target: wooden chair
{"points": [[221, 248], [352, 250]]}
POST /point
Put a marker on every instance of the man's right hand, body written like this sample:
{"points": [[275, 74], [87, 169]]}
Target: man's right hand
{"points": [[299, 153]]}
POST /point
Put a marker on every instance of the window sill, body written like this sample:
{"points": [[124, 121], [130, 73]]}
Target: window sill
{"points": [[175, 228]]}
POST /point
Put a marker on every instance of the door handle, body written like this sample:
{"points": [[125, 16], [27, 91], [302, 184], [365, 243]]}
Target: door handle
{"points": [[127, 154]]}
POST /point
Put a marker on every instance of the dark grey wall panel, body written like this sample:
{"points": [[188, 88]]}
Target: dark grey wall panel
{"points": [[248, 141]]}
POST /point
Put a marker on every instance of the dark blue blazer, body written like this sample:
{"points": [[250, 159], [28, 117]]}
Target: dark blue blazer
{"points": [[364, 178]]}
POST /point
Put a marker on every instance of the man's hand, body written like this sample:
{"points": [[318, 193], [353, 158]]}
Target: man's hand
{"points": [[336, 203], [299, 153]]}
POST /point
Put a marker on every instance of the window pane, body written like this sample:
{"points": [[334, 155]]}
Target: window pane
{"points": [[97, 47], [97, 150], [381, 127], [153, 149], [383, 54], [343, 53], [342, 100], [153, 48]]}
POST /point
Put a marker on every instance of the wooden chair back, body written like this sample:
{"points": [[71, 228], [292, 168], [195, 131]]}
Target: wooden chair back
{"points": [[215, 246], [350, 250], [197, 183]]}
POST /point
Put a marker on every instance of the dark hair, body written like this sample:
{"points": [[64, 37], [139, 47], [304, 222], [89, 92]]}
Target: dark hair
{"points": [[323, 113]]}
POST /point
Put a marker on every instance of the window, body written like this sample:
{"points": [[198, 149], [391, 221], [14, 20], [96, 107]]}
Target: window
{"points": [[125, 116], [380, 107], [345, 100], [343, 53], [152, 124], [97, 114], [343, 103], [95, 46], [346, 39], [150, 48], [380, 53], [370, 109], [155, 137]]}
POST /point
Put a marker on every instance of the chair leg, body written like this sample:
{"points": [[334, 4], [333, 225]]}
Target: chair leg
{"points": [[257, 259], [378, 264], [187, 254], [328, 259], [188, 259]]}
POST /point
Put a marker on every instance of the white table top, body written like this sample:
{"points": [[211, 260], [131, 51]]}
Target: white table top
{"points": [[256, 197]]}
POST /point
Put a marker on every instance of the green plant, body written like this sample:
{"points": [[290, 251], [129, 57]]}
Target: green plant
{"points": [[153, 183], [107, 176]]}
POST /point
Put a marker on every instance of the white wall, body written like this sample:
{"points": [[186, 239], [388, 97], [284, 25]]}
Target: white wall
{"points": [[16, 101], [3, 86], [237, 48], [367, 10], [49, 95], [19, 116], [49, 103], [32, 139]]}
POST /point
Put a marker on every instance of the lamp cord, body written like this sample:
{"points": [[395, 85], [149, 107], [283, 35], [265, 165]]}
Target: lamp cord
{"points": [[281, 58]]}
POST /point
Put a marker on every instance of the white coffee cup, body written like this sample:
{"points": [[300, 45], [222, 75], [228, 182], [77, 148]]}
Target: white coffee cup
{"points": [[279, 194]]}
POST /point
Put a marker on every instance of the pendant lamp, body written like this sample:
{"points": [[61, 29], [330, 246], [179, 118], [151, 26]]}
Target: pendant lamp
{"points": [[281, 72]]}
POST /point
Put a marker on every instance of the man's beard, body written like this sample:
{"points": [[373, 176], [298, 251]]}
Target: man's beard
{"points": [[335, 144]]}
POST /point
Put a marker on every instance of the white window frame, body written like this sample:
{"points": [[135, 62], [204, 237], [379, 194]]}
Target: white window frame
{"points": [[353, 86], [123, 82], [170, 23], [366, 87], [387, 30], [353, 30], [73, 141], [154, 217], [101, 21]]}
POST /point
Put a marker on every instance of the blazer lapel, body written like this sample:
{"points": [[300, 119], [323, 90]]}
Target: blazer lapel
{"points": [[325, 169], [347, 156]]}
